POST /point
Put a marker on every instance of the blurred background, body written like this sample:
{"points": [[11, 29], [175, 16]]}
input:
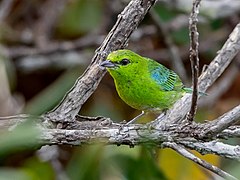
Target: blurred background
{"points": [[46, 44]]}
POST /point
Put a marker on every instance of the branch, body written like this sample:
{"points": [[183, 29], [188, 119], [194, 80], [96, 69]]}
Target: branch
{"points": [[218, 125], [230, 132], [222, 85], [194, 56], [224, 57], [199, 161], [88, 130], [136, 135], [117, 38], [214, 147]]}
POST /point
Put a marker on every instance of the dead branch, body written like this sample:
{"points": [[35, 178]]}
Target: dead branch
{"points": [[194, 59]]}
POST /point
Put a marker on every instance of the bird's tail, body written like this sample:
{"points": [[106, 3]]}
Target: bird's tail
{"points": [[190, 90]]}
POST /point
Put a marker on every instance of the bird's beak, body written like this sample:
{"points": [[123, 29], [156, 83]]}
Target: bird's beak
{"points": [[108, 64]]}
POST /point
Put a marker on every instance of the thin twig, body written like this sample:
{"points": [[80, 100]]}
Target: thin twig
{"points": [[194, 56], [197, 160]]}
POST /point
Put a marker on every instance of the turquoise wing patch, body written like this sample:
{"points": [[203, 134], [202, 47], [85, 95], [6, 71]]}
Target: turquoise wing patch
{"points": [[164, 77]]}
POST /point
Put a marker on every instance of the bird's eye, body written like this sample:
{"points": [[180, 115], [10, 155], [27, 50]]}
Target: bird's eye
{"points": [[124, 62]]}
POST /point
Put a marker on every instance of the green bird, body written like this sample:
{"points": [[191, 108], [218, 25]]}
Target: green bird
{"points": [[143, 83]]}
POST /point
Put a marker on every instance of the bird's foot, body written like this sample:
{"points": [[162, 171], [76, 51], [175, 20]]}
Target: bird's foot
{"points": [[123, 122], [136, 118], [161, 116]]}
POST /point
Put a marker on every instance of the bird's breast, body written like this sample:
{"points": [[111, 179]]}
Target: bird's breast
{"points": [[144, 94]]}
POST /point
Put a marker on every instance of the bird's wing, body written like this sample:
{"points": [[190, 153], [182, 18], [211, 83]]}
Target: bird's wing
{"points": [[166, 78]]}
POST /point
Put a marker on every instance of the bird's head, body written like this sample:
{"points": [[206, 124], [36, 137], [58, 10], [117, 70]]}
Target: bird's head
{"points": [[122, 62]]}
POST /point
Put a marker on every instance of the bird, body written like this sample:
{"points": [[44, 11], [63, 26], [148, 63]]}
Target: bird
{"points": [[143, 83]]}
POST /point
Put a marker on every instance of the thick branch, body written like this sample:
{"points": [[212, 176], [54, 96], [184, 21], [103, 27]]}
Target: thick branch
{"points": [[137, 135], [102, 130]]}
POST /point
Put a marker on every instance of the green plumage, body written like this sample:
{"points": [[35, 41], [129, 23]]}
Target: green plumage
{"points": [[143, 83]]}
